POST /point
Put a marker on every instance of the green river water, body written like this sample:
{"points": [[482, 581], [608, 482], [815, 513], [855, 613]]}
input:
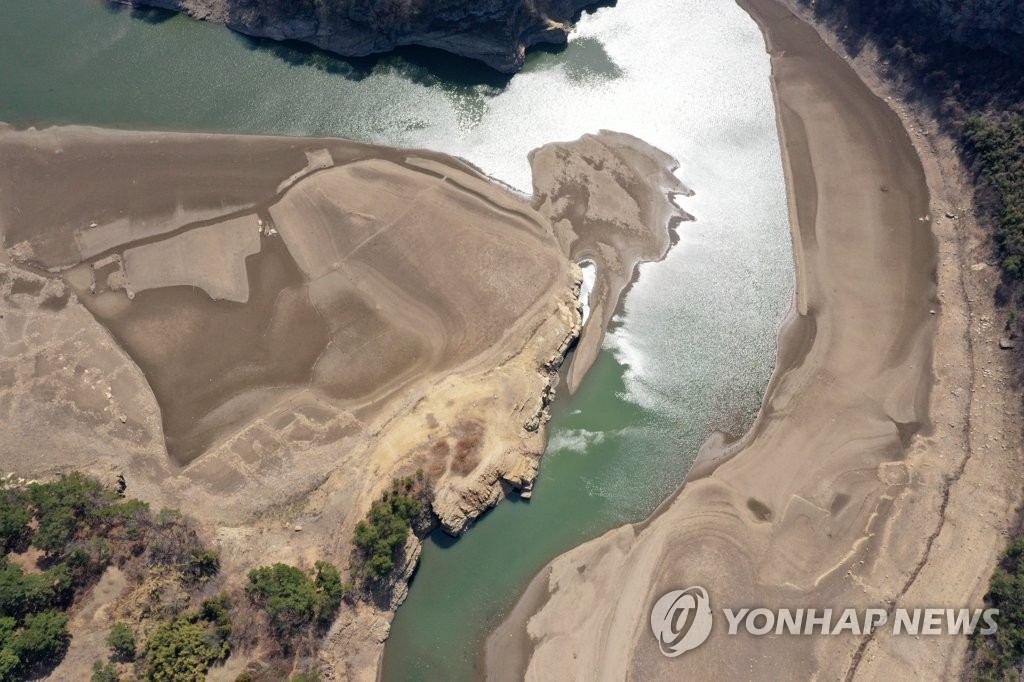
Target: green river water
{"points": [[695, 345]]}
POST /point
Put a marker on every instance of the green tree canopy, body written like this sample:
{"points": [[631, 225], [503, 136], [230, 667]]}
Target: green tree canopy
{"points": [[292, 598]]}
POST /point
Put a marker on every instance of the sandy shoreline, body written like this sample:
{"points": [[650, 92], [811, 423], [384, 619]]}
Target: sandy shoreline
{"points": [[859, 467]]}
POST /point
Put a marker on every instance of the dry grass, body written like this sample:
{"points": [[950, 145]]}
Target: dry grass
{"points": [[467, 448]]}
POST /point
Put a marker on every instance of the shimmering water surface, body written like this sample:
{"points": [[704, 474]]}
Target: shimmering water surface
{"points": [[695, 346]]}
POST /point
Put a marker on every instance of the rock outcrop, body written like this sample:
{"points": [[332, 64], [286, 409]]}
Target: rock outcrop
{"points": [[396, 586], [514, 462], [496, 32]]}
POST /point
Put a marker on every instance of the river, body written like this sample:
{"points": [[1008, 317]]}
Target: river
{"points": [[695, 345]]}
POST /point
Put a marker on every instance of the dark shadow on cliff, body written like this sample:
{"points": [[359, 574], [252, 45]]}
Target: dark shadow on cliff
{"points": [[150, 15], [586, 59], [422, 65], [445, 541]]}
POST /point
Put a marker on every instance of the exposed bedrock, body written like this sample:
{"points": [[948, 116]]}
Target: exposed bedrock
{"points": [[496, 32]]}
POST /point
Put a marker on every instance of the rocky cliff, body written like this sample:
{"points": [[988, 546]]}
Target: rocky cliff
{"points": [[497, 32]]}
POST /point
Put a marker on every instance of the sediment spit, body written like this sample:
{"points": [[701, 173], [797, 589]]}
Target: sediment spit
{"points": [[609, 198]]}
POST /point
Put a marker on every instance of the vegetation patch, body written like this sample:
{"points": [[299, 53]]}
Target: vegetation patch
{"points": [[59, 538], [121, 641], [70, 523], [998, 657], [997, 142], [379, 537], [183, 648], [295, 600]]}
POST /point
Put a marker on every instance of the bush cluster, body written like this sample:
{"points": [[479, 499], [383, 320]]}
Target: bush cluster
{"points": [[295, 600], [997, 142], [39, 639], [997, 657], [55, 518], [387, 526], [121, 641], [183, 648], [79, 527]]}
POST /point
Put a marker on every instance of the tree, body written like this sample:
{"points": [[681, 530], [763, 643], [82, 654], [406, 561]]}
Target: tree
{"points": [[63, 506], [42, 640], [22, 593], [294, 600], [55, 531], [329, 589], [286, 594], [15, 533], [121, 641], [9, 663], [387, 527], [202, 565]]}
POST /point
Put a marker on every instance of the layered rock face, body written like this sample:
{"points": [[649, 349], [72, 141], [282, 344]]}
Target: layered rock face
{"points": [[496, 32]]}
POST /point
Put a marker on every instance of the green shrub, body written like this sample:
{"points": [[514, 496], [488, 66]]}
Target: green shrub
{"points": [[121, 641], [24, 593], [202, 565], [330, 590], [9, 661], [215, 611], [308, 676], [103, 672], [996, 657], [64, 506], [998, 144], [183, 649], [8, 664]]}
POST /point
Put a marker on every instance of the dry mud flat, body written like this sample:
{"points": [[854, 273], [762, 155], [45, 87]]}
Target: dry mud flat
{"points": [[861, 484], [262, 332]]}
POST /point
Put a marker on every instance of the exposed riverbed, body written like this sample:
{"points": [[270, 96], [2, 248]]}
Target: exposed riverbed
{"points": [[695, 344]]}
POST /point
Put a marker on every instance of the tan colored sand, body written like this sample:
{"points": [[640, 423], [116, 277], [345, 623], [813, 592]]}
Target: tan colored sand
{"points": [[862, 483], [977, 474], [610, 199]]}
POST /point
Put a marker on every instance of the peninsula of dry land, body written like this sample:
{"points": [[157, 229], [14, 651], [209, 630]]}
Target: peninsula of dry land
{"points": [[266, 333]]}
